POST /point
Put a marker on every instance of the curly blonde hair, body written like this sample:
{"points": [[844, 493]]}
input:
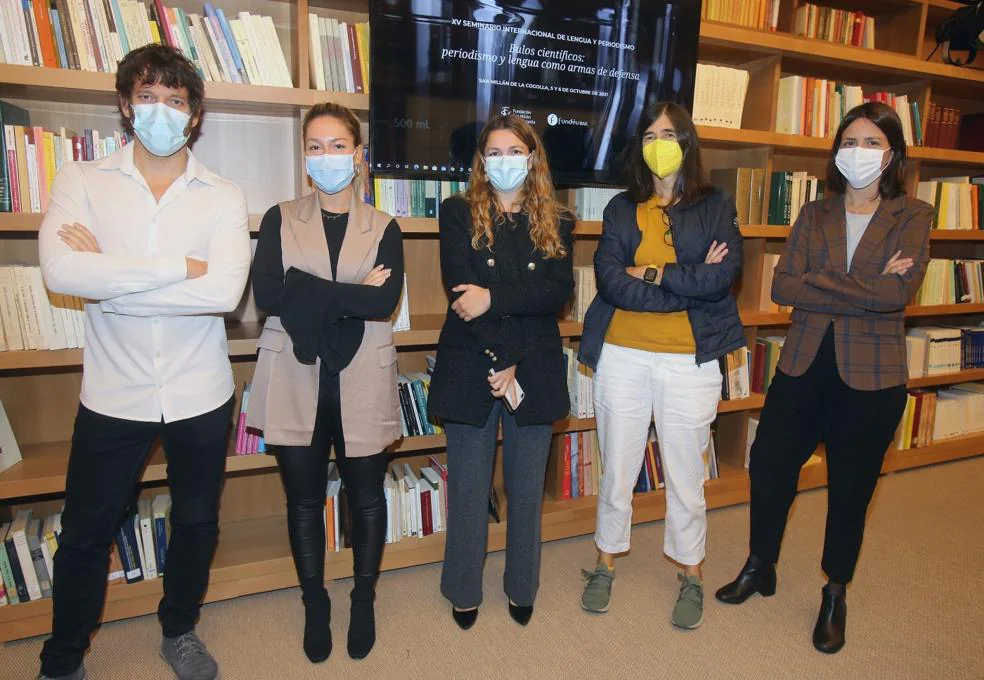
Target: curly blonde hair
{"points": [[538, 200]]}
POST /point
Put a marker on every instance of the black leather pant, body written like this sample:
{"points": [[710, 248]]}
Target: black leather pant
{"points": [[305, 474]]}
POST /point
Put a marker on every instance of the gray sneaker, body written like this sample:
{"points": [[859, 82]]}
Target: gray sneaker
{"points": [[188, 658], [689, 609], [78, 674], [598, 589]]}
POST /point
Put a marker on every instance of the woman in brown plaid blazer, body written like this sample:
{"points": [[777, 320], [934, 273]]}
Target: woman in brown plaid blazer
{"points": [[851, 264]]}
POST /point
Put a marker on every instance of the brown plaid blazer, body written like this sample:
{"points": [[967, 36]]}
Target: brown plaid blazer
{"points": [[866, 307]]}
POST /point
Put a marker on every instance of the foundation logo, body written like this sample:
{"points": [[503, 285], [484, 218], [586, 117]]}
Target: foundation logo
{"points": [[552, 119]]}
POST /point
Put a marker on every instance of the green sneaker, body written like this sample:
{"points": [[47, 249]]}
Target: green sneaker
{"points": [[689, 609], [598, 590]]}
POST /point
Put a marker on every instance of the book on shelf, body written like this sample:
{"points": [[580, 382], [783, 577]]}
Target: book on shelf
{"points": [[413, 197], [736, 372], [25, 559], [719, 95], [589, 203], [765, 359], [95, 35], [574, 466], [402, 320], [844, 27], [580, 380], [815, 107], [747, 187], [413, 389], [930, 416], [338, 54], [940, 350], [585, 290], [943, 125], [949, 282], [248, 440], [789, 192], [760, 14], [958, 202]]}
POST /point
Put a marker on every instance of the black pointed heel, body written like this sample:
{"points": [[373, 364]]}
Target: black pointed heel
{"points": [[465, 619], [520, 615]]}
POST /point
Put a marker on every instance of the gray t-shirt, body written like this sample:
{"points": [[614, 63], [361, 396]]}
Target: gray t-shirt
{"points": [[856, 226]]}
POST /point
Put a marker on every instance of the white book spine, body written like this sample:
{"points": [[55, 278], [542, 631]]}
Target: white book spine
{"points": [[315, 57]]}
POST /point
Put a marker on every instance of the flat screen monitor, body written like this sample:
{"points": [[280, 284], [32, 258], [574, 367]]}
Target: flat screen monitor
{"points": [[580, 71]]}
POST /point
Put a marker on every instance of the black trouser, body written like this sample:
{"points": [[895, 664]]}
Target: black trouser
{"points": [[108, 455], [856, 426], [305, 474]]}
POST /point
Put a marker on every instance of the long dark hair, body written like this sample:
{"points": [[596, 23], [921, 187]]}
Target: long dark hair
{"points": [[892, 184], [691, 182]]}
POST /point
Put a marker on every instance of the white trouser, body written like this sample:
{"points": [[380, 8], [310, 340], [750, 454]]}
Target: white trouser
{"points": [[632, 386]]}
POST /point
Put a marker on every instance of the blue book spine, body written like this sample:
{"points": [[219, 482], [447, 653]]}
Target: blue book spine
{"points": [[59, 41], [575, 468], [129, 555], [114, 6], [20, 584], [160, 542], [230, 38]]}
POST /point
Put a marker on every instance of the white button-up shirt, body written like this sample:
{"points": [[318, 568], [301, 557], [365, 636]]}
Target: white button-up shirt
{"points": [[155, 342]]}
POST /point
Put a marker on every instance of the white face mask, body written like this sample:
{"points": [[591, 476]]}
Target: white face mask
{"points": [[860, 166], [506, 173]]}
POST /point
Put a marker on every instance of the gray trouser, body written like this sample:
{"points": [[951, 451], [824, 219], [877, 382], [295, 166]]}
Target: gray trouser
{"points": [[471, 454]]}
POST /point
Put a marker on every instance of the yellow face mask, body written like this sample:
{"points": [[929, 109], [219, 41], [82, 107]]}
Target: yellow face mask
{"points": [[663, 156]]}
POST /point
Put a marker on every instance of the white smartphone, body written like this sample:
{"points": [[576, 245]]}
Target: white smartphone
{"points": [[514, 396]]}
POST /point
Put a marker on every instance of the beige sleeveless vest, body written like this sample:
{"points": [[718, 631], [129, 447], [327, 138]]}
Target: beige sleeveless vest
{"points": [[283, 400]]}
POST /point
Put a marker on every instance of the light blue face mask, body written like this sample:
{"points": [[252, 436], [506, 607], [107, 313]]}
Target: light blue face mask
{"points": [[507, 173], [331, 172], [160, 128]]}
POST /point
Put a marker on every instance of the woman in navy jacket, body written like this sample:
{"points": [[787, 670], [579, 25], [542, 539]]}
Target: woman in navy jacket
{"points": [[669, 253], [506, 249]]}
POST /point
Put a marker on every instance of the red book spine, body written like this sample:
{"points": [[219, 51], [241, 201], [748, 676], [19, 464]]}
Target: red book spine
{"points": [[758, 367], [356, 60], [581, 463], [164, 24], [15, 202], [425, 512], [650, 472], [567, 467]]}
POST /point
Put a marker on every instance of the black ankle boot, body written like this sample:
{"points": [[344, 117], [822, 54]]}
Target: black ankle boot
{"points": [[828, 635], [317, 625], [362, 626], [755, 577]]}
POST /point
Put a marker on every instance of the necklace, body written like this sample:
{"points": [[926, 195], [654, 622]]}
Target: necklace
{"points": [[332, 216]]}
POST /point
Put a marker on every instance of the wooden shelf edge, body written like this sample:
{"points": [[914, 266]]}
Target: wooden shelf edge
{"points": [[940, 379]]}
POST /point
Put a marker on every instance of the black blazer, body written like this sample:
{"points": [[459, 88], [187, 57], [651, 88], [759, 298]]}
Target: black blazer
{"points": [[528, 291]]}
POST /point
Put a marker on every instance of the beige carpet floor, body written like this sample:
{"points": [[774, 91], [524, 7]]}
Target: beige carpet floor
{"points": [[915, 610]]}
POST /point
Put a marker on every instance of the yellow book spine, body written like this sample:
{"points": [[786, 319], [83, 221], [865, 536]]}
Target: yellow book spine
{"points": [[154, 31]]}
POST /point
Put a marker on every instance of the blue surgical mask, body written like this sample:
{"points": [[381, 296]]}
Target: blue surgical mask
{"points": [[507, 173], [331, 172], [160, 128]]}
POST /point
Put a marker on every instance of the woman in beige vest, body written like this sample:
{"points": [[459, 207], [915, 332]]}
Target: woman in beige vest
{"points": [[329, 270]]}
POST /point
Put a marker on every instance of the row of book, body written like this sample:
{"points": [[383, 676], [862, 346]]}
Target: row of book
{"points": [[958, 201], [747, 186], [141, 541], [580, 385], [765, 359], [574, 468], [938, 350], [736, 374], [950, 128], [413, 197], [589, 203], [950, 282], [31, 317], [248, 440], [789, 192], [932, 416], [28, 547], [760, 14], [416, 504], [413, 389], [338, 54], [719, 96], [815, 107], [31, 156], [585, 289], [844, 27]]}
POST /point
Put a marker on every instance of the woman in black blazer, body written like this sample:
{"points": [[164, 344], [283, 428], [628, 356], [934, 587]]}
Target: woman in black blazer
{"points": [[506, 249]]}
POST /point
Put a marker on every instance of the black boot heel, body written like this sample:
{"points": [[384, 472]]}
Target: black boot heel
{"points": [[755, 577]]}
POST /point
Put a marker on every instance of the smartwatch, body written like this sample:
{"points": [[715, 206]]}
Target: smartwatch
{"points": [[650, 275]]}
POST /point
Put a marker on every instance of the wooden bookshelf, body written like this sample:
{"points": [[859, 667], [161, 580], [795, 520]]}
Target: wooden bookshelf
{"points": [[39, 388]]}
